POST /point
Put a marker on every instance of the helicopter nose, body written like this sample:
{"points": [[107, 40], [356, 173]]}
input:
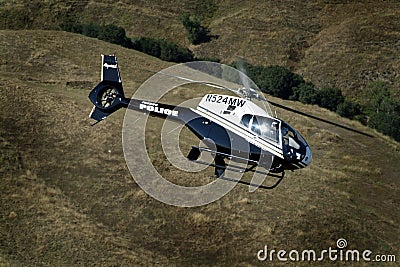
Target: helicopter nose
{"points": [[307, 159]]}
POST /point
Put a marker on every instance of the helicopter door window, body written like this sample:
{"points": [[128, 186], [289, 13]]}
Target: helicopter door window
{"points": [[269, 128], [265, 128], [246, 120], [255, 126]]}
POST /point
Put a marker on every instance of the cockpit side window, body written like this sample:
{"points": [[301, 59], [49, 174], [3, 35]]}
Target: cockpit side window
{"points": [[265, 127], [255, 126], [246, 120]]}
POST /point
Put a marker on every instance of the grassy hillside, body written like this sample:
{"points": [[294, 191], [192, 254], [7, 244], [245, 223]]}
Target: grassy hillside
{"points": [[67, 197], [332, 43]]}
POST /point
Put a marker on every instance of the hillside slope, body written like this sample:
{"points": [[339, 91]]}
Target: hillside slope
{"points": [[347, 44], [67, 197]]}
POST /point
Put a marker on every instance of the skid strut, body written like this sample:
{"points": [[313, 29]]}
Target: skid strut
{"points": [[220, 167]]}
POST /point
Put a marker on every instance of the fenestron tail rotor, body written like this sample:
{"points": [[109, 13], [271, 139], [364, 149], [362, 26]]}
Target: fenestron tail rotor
{"points": [[108, 97]]}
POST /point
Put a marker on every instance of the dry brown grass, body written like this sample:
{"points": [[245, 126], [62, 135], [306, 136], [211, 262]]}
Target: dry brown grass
{"points": [[66, 200], [331, 43]]}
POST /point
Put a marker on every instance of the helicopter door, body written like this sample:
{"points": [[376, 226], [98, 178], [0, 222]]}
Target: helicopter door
{"points": [[251, 123], [265, 128], [246, 120], [255, 126]]}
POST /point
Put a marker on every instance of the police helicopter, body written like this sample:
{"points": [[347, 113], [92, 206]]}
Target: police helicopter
{"points": [[232, 127]]}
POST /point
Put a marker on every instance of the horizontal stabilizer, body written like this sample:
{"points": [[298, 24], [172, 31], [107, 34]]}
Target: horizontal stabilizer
{"points": [[110, 71], [98, 114]]}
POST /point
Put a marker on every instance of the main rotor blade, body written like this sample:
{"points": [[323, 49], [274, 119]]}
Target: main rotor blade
{"points": [[319, 119], [243, 73], [248, 92], [199, 82]]}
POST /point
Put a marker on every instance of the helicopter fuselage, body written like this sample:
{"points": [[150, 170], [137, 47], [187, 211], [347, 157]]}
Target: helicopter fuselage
{"points": [[232, 127], [236, 127]]}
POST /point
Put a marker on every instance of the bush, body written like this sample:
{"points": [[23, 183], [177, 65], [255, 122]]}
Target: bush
{"points": [[211, 59], [330, 98], [387, 120], [172, 52], [109, 33], [348, 109], [373, 97], [196, 32], [381, 109], [276, 80], [114, 34], [305, 93], [72, 27], [147, 45], [91, 30], [162, 49]]}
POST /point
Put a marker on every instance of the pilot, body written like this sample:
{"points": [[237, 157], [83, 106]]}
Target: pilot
{"points": [[275, 130], [287, 150], [285, 135]]}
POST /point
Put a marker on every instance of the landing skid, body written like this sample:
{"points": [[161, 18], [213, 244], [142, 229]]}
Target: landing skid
{"points": [[220, 167]]}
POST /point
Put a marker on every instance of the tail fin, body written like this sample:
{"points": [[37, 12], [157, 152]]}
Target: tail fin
{"points": [[108, 96]]}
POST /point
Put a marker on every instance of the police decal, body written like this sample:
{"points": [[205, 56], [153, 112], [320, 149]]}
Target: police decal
{"points": [[155, 107]]}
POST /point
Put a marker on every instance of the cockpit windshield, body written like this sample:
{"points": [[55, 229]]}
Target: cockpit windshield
{"points": [[264, 127], [294, 145], [291, 137]]}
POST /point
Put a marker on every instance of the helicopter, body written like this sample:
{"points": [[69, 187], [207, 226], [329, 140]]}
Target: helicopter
{"points": [[232, 127]]}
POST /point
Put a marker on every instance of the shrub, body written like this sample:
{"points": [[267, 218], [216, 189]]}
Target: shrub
{"points": [[387, 120], [162, 49], [113, 34], [172, 52], [348, 109], [196, 32], [276, 80], [373, 96], [109, 33], [91, 30], [305, 93], [212, 59], [330, 98], [70, 26]]}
